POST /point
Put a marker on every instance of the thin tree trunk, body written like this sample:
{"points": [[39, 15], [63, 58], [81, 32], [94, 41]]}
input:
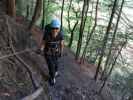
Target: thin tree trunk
{"points": [[46, 11], [32, 8], [82, 25], [27, 11], [37, 13], [72, 35], [105, 39], [69, 27], [112, 67], [72, 30], [90, 34], [11, 8], [43, 16], [119, 52], [62, 9], [112, 41]]}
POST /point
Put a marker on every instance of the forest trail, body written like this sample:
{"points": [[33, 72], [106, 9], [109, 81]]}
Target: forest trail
{"points": [[75, 81], [102, 31]]}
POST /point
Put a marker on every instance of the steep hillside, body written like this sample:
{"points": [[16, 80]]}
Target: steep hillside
{"points": [[24, 74]]}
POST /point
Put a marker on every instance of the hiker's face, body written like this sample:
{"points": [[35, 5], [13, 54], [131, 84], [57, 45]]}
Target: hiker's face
{"points": [[55, 31]]}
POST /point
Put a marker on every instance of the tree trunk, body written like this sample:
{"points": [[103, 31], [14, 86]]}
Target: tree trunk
{"points": [[27, 11], [62, 9], [105, 39], [69, 26], [43, 17], [112, 67], [72, 34], [46, 10], [90, 34], [68, 15], [32, 7], [112, 42], [37, 13], [11, 8], [82, 25]]}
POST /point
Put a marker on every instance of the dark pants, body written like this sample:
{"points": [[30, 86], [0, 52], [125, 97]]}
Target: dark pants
{"points": [[52, 62]]}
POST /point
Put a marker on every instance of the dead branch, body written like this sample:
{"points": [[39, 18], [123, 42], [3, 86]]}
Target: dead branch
{"points": [[27, 67], [16, 53]]}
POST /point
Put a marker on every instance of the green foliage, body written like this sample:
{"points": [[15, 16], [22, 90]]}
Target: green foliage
{"points": [[123, 84]]}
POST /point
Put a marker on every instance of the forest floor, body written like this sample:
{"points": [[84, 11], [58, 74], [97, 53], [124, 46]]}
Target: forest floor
{"points": [[75, 81]]}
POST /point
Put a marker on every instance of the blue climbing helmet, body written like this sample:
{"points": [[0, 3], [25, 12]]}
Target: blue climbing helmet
{"points": [[55, 23]]}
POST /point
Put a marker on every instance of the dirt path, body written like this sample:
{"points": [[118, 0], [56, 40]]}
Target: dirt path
{"points": [[75, 81]]}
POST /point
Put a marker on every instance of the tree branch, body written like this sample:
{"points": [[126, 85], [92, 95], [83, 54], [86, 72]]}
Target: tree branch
{"points": [[27, 67]]}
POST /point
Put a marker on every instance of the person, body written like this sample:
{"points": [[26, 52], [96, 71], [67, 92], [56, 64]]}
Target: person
{"points": [[52, 46]]}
